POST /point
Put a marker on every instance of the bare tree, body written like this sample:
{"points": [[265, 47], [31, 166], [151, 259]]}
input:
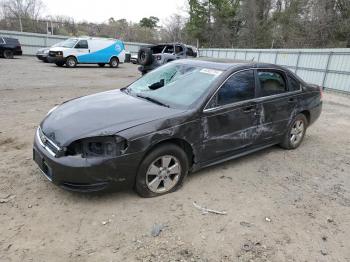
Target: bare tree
{"points": [[25, 11], [173, 29]]}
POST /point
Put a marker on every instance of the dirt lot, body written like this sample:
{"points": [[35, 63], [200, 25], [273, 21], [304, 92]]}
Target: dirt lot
{"points": [[281, 205]]}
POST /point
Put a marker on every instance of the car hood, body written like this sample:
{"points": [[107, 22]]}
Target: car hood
{"points": [[100, 114], [58, 48]]}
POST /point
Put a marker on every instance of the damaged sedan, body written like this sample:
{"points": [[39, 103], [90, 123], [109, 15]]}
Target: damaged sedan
{"points": [[177, 119]]}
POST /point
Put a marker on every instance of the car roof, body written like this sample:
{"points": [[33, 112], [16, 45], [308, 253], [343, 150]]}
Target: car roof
{"points": [[227, 64]]}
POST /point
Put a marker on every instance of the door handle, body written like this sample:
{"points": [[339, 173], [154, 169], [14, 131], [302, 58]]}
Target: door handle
{"points": [[292, 100]]}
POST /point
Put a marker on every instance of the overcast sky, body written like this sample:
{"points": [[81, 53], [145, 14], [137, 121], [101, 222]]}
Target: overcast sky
{"points": [[101, 10]]}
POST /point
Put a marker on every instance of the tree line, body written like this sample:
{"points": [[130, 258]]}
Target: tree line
{"points": [[210, 23]]}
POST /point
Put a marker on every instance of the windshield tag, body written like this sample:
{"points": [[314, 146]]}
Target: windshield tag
{"points": [[211, 71]]}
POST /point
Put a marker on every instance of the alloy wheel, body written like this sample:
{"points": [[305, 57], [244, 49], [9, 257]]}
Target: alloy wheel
{"points": [[163, 174], [297, 132]]}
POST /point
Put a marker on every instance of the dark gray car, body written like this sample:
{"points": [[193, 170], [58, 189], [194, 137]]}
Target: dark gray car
{"points": [[151, 57]]}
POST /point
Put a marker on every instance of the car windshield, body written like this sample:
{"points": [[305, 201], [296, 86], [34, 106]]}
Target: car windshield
{"points": [[69, 43], [174, 85]]}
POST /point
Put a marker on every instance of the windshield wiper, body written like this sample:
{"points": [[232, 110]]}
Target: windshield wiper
{"points": [[152, 100]]}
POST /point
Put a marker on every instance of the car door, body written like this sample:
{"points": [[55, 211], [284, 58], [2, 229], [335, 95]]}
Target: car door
{"points": [[229, 120], [82, 48], [276, 104], [179, 51]]}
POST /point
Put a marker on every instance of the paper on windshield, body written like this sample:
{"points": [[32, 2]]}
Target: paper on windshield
{"points": [[211, 71]]}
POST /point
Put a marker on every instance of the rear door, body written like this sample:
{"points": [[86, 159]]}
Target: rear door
{"points": [[229, 120], [276, 104]]}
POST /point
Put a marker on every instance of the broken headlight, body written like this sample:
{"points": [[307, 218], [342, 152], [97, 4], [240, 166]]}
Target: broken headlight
{"points": [[108, 146]]}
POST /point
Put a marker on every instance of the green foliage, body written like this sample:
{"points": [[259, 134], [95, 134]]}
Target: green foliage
{"points": [[150, 22]]}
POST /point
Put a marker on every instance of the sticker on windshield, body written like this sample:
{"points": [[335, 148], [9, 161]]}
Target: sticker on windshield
{"points": [[211, 71]]}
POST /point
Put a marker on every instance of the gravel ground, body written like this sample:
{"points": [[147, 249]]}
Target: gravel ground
{"points": [[281, 205]]}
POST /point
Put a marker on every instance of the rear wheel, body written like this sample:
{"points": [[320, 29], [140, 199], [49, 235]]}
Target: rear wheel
{"points": [[296, 133], [114, 62], [162, 171], [8, 54], [71, 62], [101, 64]]}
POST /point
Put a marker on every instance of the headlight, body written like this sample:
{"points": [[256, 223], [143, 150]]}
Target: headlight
{"points": [[108, 146], [51, 110]]}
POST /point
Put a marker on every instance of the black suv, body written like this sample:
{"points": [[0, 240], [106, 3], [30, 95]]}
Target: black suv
{"points": [[9, 47]]}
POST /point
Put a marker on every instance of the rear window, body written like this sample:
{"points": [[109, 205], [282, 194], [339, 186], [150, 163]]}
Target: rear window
{"points": [[11, 41]]}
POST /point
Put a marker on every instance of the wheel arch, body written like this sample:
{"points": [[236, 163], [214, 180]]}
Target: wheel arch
{"points": [[182, 143], [306, 113]]}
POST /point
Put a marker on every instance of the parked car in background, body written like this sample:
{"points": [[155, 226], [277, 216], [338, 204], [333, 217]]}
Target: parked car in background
{"points": [[43, 53], [9, 47], [88, 50], [151, 57], [179, 118], [134, 59]]}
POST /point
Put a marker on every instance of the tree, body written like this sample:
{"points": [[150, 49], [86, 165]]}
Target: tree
{"points": [[25, 11], [150, 22]]}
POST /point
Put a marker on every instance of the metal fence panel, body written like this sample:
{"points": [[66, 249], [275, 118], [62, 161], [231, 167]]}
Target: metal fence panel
{"points": [[31, 42], [326, 67]]}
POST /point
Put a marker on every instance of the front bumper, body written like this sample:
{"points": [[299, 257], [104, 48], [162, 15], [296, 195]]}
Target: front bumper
{"points": [[42, 56], [55, 59], [86, 174]]}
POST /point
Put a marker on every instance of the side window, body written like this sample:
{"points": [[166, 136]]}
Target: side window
{"points": [[189, 52], [271, 83], [169, 49], [294, 85], [82, 44], [239, 87], [179, 49]]}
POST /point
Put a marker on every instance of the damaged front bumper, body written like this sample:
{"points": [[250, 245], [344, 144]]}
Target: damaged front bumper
{"points": [[86, 174]]}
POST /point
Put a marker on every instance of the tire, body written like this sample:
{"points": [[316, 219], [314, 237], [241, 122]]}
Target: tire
{"points": [[59, 64], [8, 54], [166, 166], [145, 56], [101, 64], [114, 62], [71, 62], [296, 133]]}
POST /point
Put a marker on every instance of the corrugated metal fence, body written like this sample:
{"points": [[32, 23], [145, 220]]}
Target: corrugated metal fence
{"points": [[326, 67], [31, 42]]}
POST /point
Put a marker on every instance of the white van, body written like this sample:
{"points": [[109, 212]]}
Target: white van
{"points": [[88, 50]]}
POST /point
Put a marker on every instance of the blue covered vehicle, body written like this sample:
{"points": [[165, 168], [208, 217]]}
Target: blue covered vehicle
{"points": [[88, 50]]}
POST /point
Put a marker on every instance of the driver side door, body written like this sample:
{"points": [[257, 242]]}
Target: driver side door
{"points": [[230, 119]]}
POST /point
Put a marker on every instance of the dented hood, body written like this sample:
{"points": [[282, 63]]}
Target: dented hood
{"points": [[100, 114]]}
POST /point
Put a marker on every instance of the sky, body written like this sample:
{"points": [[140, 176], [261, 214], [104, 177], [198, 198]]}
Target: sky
{"points": [[99, 11]]}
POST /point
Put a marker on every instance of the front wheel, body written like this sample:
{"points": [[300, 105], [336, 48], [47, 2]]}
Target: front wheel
{"points": [[162, 171], [71, 62], [296, 133], [8, 54], [114, 63]]}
